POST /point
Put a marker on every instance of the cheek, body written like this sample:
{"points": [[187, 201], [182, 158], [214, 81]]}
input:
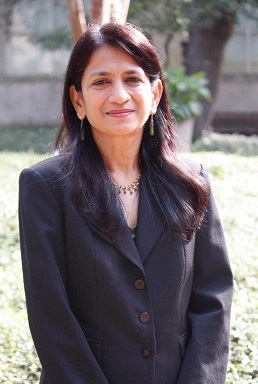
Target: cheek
{"points": [[92, 107], [146, 101]]}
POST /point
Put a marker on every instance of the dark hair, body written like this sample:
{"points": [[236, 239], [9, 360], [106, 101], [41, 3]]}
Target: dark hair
{"points": [[180, 193]]}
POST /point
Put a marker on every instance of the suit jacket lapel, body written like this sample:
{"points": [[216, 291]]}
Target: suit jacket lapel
{"points": [[126, 245], [150, 225]]}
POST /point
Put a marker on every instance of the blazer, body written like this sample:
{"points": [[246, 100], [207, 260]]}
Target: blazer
{"points": [[153, 311]]}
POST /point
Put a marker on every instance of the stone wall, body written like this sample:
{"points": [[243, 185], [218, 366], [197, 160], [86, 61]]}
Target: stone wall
{"points": [[28, 102]]}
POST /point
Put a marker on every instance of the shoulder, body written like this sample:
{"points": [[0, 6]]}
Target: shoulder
{"points": [[44, 182], [195, 167], [49, 169], [45, 179]]}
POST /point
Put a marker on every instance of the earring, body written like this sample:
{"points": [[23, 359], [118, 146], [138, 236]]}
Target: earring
{"points": [[151, 126], [82, 131]]}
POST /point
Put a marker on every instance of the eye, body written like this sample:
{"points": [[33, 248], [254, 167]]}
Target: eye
{"points": [[100, 82], [133, 79]]}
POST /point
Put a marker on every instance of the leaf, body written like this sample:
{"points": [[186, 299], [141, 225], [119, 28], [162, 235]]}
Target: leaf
{"points": [[195, 108], [186, 92]]}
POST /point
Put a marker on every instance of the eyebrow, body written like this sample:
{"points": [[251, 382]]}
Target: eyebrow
{"points": [[105, 73]]}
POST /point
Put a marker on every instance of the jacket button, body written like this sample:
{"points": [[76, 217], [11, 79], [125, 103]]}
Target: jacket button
{"points": [[139, 284], [146, 352], [144, 317]]}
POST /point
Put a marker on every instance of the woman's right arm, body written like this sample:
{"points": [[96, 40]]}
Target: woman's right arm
{"points": [[63, 350]]}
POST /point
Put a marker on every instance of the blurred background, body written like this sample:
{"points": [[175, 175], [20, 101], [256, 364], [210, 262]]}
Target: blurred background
{"points": [[209, 51], [217, 36]]}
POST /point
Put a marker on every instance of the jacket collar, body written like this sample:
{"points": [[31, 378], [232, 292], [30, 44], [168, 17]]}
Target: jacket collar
{"points": [[149, 225]]}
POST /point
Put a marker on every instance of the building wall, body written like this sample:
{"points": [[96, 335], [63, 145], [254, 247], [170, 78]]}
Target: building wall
{"points": [[31, 76], [238, 94], [237, 106], [30, 102]]}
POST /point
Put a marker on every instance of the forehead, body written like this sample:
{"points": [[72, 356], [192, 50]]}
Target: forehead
{"points": [[108, 59]]}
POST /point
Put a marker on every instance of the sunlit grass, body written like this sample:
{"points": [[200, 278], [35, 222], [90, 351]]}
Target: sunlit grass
{"points": [[235, 184]]}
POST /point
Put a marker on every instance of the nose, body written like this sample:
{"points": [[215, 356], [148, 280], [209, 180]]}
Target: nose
{"points": [[119, 93]]}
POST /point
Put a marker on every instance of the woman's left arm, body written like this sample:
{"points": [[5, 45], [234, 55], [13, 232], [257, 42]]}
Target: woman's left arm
{"points": [[206, 356]]}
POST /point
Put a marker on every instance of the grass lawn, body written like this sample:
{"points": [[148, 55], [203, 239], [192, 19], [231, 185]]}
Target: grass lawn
{"points": [[234, 179]]}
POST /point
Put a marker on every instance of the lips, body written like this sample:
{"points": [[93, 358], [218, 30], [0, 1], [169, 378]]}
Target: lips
{"points": [[120, 112]]}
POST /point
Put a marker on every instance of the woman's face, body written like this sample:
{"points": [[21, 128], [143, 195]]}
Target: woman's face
{"points": [[116, 97]]}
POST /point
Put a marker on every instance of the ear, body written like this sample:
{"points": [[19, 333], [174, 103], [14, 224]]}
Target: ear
{"points": [[157, 89], [77, 101]]}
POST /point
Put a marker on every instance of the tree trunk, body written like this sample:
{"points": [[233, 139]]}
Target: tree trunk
{"points": [[103, 11], [77, 18], [96, 11], [168, 40], [2, 38], [6, 11], [204, 52]]}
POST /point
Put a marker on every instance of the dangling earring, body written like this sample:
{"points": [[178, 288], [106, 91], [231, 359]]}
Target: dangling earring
{"points": [[151, 126], [82, 131]]}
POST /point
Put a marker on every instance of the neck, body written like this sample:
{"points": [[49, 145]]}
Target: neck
{"points": [[120, 155]]}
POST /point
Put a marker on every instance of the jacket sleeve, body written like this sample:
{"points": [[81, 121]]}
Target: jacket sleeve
{"points": [[63, 350], [206, 356]]}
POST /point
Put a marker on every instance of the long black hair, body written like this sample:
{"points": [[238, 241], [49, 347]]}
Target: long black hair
{"points": [[180, 193]]}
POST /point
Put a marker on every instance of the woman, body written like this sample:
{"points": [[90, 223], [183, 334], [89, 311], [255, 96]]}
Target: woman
{"points": [[126, 273]]}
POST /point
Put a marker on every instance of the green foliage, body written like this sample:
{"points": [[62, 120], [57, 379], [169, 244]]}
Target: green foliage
{"points": [[34, 139], [172, 16], [60, 38], [164, 16], [236, 194], [186, 93], [18, 361], [233, 143]]}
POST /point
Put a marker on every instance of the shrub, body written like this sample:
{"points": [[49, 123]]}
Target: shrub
{"points": [[228, 143], [186, 93]]}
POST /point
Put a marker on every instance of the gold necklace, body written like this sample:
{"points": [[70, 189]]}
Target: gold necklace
{"points": [[133, 187]]}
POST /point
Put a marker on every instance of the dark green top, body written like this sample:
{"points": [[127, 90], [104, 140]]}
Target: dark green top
{"points": [[133, 231]]}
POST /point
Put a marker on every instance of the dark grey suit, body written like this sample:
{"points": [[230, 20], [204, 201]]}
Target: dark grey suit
{"points": [[151, 312]]}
